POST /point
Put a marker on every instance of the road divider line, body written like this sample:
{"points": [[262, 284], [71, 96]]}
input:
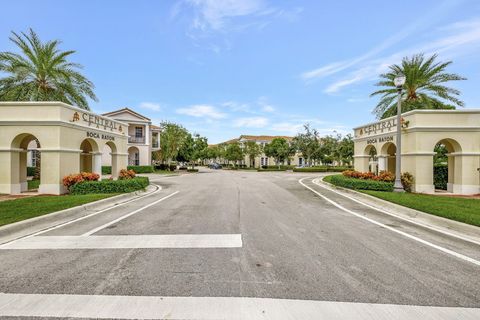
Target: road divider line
{"points": [[423, 225], [427, 243], [235, 308], [168, 241], [128, 215]]}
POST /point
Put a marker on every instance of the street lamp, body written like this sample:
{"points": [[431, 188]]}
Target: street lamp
{"points": [[399, 81]]}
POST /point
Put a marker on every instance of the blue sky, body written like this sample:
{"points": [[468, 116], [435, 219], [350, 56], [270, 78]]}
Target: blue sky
{"points": [[225, 68]]}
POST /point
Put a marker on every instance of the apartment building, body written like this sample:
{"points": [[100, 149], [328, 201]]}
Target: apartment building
{"points": [[143, 137], [262, 159]]}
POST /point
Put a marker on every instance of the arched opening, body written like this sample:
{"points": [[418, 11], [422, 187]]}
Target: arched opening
{"points": [[110, 159], [25, 163], [89, 149], [371, 151], [133, 156], [445, 165], [387, 160]]}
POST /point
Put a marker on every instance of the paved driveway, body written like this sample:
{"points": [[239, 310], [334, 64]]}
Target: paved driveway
{"points": [[240, 234]]}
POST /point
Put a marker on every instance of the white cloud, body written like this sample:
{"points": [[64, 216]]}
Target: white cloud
{"points": [[252, 122], [288, 128], [202, 111], [150, 106], [264, 105], [452, 41], [214, 14]]}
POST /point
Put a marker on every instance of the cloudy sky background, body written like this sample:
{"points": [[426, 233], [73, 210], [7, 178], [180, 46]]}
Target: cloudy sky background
{"points": [[225, 68]]}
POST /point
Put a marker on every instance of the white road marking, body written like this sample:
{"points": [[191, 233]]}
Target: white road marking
{"points": [[236, 308], [174, 241], [159, 188], [128, 215], [432, 245], [315, 181]]}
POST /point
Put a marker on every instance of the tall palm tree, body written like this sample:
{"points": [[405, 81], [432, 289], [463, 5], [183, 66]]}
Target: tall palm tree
{"points": [[424, 87], [41, 72]]}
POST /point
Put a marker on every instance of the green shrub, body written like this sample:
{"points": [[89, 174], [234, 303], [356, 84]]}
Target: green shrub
{"points": [[352, 183], [271, 169], [141, 169], [407, 181], [440, 176], [106, 169], [192, 170], [30, 171], [172, 167], [321, 169], [110, 186]]}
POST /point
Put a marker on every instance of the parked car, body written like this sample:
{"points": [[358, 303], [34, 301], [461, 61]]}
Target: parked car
{"points": [[215, 166]]}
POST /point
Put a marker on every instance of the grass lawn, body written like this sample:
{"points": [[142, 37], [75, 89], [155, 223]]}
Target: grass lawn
{"points": [[164, 172], [26, 208], [33, 184], [459, 209]]}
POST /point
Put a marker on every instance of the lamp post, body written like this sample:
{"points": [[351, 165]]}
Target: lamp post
{"points": [[399, 81]]}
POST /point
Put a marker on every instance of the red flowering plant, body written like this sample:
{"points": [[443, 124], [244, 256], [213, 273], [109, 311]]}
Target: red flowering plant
{"points": [[72, 179], [126, 174], [383, 176]]}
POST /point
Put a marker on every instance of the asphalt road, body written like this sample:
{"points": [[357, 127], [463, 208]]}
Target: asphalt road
{"points": [[295, 245]]}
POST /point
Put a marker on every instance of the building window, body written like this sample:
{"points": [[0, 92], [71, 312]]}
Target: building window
{"points": [[138, 132], [34, 155], [300, 162]]}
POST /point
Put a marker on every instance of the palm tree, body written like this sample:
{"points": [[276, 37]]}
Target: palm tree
{"points": [[42, 73], [424, 87]]}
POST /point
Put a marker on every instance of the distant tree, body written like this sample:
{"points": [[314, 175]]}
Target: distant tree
{"points": [[41, 72], [234, 152], [424, 86], [173, 136], [346, 149], [192, 149], [279, 149], [252, 150], [307, 143]]}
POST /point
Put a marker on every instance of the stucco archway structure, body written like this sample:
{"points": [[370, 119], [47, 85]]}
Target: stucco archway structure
{"points": [[422, 130], [70, 139]]}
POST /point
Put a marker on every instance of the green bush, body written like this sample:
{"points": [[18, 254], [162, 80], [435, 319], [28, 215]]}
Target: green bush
{"points": [[271, 169], [440, 176], [322, 169], [141, 169], [106, 169], [30, 171], [110, 186], [352, 183], [192, 170]]}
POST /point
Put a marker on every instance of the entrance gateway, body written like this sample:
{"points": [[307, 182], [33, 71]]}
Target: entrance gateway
{"points": [[69, 140], [458, 131]]}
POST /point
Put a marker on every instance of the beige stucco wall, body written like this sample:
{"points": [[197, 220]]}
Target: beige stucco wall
{"points": [[60, 137], [422, 130]]}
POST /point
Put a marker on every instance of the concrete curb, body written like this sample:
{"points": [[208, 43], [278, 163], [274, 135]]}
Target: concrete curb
{"points": [[450, 227], [27, 227]]}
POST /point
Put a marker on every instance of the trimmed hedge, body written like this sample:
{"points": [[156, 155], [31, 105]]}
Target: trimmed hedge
{"points": [[137, 169], [106, 169], [321, 169], [141, 169], [352, 183], [30, 171], [271, 169], [440, 176], [192, 170], [110, 186]]}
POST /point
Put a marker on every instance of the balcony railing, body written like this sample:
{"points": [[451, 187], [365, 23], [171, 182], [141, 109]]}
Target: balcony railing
{"points": [[136, 139], [155, 144]]}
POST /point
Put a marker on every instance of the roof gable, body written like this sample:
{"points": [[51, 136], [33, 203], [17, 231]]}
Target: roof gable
{"points": [[126, 114]]}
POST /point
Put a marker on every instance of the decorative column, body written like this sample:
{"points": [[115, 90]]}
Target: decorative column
{"points": [[97, 163], [382, 163]]}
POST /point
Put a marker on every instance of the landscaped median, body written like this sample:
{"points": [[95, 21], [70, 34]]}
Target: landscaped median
{"points": [[322, 169], [454, 208], [83, 188]]}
